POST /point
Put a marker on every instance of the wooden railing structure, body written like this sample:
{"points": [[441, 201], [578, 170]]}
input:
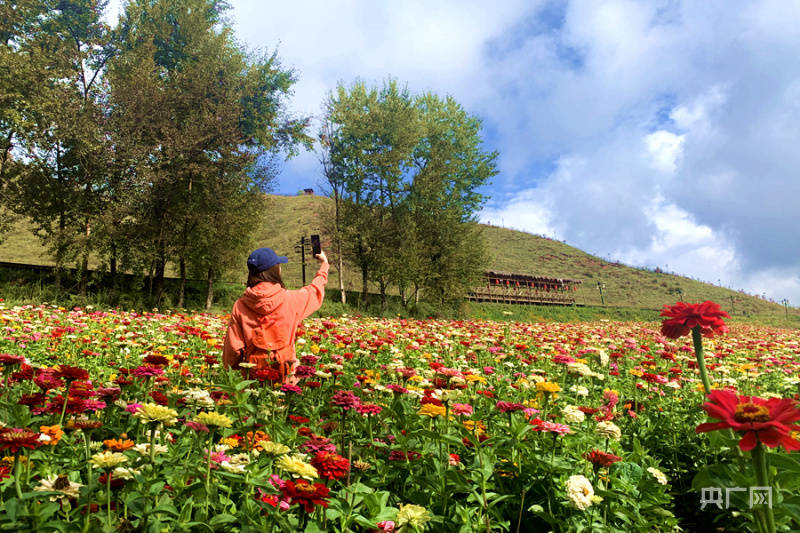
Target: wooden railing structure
{"points": [[511, 288]]}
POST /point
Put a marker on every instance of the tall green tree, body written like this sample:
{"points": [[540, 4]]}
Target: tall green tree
{"points": [[409, 168], [193, 109], [371, 137], [62, 142]]}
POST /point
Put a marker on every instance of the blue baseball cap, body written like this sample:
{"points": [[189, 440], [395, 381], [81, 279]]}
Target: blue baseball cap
{"points": [[264, 259]]}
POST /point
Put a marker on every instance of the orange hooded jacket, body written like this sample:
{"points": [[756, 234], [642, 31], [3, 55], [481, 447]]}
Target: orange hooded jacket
{"points": [[264, 322]]}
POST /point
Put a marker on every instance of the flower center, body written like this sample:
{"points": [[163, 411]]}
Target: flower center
{"points": [[751, 412], [305, 489]]}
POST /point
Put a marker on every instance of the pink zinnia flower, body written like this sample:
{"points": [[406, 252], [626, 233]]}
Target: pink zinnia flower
{"points": [[144, 371], [346, 400], [461, 409]]}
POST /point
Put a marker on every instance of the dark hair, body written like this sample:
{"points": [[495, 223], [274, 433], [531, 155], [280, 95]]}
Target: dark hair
{"points": [[272, 275]]}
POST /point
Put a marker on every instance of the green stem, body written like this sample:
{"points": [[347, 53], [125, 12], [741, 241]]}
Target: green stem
{"points": [[108, 497], [64, 408], [697, 339], [208, 466], [762, 475], [17, 462], [88, 482]]}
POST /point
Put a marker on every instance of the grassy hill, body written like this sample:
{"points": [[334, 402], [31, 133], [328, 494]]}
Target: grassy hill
{"points": [[294, 216]]}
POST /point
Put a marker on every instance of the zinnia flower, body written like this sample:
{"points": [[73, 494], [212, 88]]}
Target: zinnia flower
{"points": [[296, 465], [71, 373], [608, 430], [107, 459], [304, 493], [273, 448], [14, 439], [53, 432], [461, 409], [600, 458], [118, 445], [768, 421], [509, 407], [432, 410], [346, 400], [330, 465], [152, 413], [214, 419], [62, 484], [580, 492], [412, 515], [658, 474], [145, 371], [683, 317]]}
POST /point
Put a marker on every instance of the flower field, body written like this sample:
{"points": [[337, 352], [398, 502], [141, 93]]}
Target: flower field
{"points": [[120, 421]]}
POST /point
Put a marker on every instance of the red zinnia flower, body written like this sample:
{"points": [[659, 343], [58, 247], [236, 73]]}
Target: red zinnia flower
{"points": [[304, 493], [330, 465], [683, 317], [11, 360], [14, 439], [603, 459], [71, 372], [767, 421]]}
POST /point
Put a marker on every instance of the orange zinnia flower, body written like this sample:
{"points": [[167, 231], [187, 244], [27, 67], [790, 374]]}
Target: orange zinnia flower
{"points": [[54, 432], [119, 445], [770, 421], [252, 439]]}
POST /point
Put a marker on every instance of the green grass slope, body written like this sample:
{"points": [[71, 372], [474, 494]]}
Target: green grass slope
{"points": [[290, 217]]}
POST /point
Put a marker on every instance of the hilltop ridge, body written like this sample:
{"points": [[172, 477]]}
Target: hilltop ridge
{"points": [[291, 217]]}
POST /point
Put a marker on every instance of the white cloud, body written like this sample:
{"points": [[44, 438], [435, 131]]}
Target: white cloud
{"points": [[663, 131], [665, 149]]}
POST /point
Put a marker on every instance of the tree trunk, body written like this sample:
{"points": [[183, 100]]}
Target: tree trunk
{"points": [[113, 263], [85, 261], [341, 277], [210, 289], [158, 282], [363, 285], [382, 285], [182, 290], [403, 298], [150, 275]]}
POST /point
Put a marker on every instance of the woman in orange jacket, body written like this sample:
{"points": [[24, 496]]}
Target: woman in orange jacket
{"points": [[264, 320]]}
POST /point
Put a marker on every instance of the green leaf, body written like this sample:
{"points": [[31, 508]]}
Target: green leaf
{"points": [[223, 518]]}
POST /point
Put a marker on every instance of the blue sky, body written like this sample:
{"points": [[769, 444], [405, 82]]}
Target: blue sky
{"points": [[659, 133]]}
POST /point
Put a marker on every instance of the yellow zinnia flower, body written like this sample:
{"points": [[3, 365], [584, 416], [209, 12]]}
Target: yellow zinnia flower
{"points": [[432, 410], [295, 464], [107, 459], [151, 413], [273, 448], [214, 419]]}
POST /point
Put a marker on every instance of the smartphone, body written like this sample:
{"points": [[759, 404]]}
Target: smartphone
{"points": [[316, 248]]}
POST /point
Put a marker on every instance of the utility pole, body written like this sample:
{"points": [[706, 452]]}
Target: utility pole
{"points": [[302, 249], [600, 287]]}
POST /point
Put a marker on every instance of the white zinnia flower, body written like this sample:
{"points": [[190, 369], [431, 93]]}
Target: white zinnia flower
{"points": [[580, 492], [608, 430], [658, 474], [573, 415]]}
